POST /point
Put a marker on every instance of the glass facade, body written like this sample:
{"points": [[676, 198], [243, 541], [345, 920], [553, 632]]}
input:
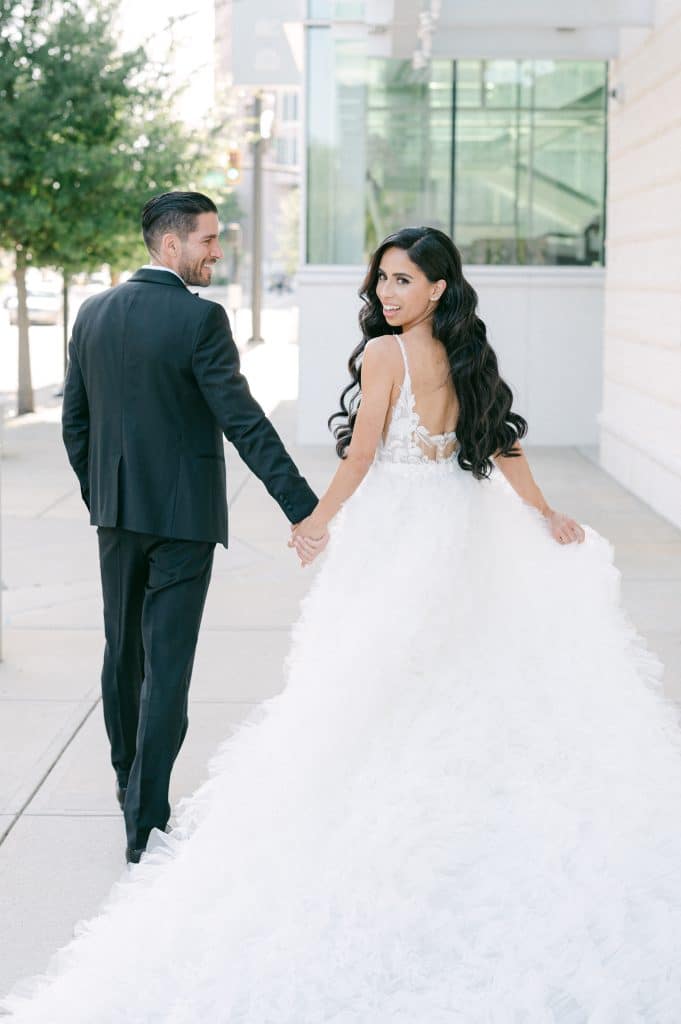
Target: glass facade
{"points": [[529, 164], [409, 148], [507, 156], [338, 10]]}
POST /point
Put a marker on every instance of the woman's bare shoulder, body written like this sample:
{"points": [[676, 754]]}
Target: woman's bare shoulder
{"points": [[384, 348]]}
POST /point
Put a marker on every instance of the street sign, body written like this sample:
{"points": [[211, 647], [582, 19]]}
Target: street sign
{"points": [[267, 42]]}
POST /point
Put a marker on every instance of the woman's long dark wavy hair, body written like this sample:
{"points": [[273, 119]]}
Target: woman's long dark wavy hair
{"points": [[486, 424]]}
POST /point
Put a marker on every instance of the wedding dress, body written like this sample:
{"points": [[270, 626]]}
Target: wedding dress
{"points": [[464, 807]]}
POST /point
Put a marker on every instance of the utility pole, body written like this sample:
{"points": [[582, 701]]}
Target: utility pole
{"points": [[256, 218], [234, 297]]}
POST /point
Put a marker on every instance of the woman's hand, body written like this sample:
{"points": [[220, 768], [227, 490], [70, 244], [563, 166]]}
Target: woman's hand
{"points": [[564, 529], [379, 367], [309, 538], [517, 471]]}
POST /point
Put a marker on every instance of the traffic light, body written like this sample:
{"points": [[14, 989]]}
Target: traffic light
{"points": [[233, 166]]}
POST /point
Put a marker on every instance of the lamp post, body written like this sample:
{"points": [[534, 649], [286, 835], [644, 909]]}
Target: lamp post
{"points": [[263, 118], [256, 252], [234, 286]]}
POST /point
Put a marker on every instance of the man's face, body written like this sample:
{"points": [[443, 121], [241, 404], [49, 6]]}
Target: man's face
{"points": [[199, 251]]}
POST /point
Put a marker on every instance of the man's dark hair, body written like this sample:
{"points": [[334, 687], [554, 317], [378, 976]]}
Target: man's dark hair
{"points": [[173, 211]]}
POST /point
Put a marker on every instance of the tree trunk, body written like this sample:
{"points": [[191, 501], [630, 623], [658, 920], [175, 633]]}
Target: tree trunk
{"points": [[115, 277], [25, 387], [66, 278]]}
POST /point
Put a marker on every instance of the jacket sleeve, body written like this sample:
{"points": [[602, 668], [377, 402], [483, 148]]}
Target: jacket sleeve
{"points": [[75, 421], [215, 363]]}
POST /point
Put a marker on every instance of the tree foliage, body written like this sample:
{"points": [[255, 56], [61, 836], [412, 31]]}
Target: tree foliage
{"points": [[86, 136]]}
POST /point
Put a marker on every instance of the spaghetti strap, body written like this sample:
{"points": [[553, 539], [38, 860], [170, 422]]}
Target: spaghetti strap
{"points": [[407, 377], [406, 438]]}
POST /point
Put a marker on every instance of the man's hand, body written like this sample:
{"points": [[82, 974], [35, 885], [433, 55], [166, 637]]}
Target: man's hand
{"points": [[309, 539], [564, 529]]}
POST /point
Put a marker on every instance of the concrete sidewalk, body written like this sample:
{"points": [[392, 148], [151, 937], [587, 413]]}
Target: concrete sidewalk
{"points": [[61, 833]]}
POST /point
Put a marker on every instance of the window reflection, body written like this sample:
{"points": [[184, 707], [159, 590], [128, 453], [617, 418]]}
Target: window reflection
{"points": [[409, 147], [508, 156], [529, 174]]}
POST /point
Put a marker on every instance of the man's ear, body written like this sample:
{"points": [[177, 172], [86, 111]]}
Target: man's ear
{"points": [[169, 243]]}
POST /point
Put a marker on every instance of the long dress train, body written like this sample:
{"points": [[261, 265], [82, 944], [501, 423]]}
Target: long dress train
{"points": [[464, 807]]}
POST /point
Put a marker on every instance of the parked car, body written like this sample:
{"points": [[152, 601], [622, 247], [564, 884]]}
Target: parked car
{"points": [[44, 306]]}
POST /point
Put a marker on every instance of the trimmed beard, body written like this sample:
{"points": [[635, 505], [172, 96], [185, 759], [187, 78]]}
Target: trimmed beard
{"points": [[191, 274]]}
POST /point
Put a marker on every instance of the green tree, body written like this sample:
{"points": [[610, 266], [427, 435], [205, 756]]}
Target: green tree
{"points": [[86, 136]]}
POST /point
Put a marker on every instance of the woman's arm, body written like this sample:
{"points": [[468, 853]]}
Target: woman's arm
{"points": [[517, 471], [378, 378]]}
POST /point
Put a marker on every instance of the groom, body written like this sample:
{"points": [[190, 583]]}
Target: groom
{"points": [[153, 382]]}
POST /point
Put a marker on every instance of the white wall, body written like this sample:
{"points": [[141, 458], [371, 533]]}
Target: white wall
{"points": [[545, 323], [641, 421]]}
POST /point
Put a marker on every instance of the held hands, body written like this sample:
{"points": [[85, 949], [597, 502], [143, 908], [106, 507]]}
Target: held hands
{"points": [[309, 538], [564, 529]]}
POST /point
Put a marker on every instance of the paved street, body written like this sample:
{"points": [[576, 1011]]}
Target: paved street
{"points": [[62, 838]]}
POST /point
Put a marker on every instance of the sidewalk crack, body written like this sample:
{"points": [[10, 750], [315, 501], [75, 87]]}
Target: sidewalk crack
{"points": [[47, 773], [56, 502]]}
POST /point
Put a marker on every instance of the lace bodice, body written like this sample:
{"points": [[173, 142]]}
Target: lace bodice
{"points": [[407, 440]]}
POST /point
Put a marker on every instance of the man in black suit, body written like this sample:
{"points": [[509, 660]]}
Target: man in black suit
{"points": [[153, 382]]}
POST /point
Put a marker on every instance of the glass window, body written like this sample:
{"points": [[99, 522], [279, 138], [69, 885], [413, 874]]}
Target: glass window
{"points": [[409, 145], [489, 160], [288, 106], [379, 147], [529, 174], [286, 150], [336, 160], [338, 10], [508, 156]]}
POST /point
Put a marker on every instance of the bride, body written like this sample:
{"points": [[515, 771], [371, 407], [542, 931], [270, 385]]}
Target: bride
{"points": [[464, 805]]}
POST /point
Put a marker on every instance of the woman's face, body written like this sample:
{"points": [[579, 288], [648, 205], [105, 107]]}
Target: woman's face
{"points": [[404, 291]]}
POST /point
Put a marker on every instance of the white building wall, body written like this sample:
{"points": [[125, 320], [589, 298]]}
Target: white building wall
{"points": [[641, 419], [545, 323]]}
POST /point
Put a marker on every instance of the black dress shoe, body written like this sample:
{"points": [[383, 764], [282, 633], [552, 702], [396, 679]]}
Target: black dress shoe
{"points": [[132, 856], [120, 794]]}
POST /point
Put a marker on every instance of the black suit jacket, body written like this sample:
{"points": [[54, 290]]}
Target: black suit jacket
{"points": [[153, 381]]}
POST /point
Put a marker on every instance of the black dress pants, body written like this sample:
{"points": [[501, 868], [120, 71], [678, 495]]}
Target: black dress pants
{"points": [[154, 593]]}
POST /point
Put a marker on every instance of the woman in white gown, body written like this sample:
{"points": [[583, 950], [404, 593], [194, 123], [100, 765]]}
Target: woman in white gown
{"points": [[464, 806]]}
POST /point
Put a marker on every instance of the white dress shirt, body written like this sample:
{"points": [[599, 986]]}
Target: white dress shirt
{"points": [[157, 266]]}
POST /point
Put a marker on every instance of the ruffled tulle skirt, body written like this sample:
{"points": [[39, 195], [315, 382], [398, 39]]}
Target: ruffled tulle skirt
{"points": [[463, 808]]}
